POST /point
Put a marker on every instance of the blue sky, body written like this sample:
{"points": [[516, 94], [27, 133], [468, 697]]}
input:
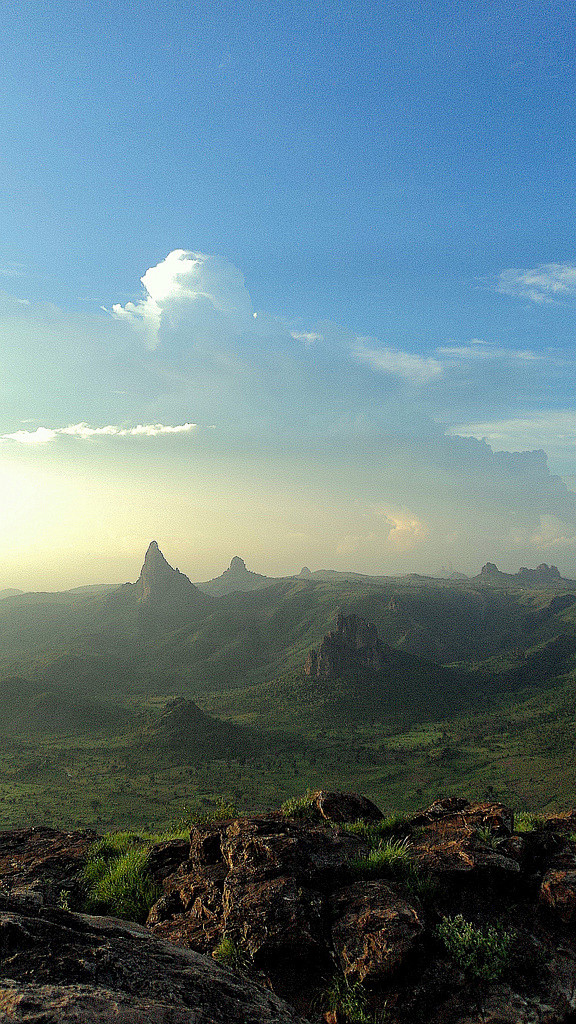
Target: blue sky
{"points": [[389, 188]]}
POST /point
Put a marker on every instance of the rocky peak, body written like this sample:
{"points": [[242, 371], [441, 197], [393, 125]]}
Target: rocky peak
{"points": [[305, 571], [159, 582], [490, 569], [237, 565], [354, 646]]}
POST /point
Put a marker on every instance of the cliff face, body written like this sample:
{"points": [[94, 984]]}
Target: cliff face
{"points": [[354, 646]]}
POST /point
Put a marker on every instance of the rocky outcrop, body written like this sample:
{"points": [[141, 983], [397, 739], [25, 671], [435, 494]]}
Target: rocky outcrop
{"points": [[72, 969], [353, 647], [43, 863], [290, 894], [159, 583], [303, 909], [543, 576]]}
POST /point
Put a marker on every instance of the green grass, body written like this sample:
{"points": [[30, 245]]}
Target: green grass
{"points": [[390, 859], [119, 884], [228, 954], [527, 822], [299, 806], [350, 1000]]}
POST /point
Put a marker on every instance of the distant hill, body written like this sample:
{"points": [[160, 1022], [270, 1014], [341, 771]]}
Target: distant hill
{"points": [[236, 578], [542, 577], [182, 729], [9, 592]]}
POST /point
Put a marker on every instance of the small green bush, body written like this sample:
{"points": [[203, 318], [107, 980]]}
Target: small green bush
{"points": [[349, 999], [528, 822], [482, 951]]}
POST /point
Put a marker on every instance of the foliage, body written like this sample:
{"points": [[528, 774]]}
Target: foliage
{"points": [[116, 878], [482, 951], [528, 822], [374, 831], [299, 806], [349, 999], [390, 859], [227, 954]]}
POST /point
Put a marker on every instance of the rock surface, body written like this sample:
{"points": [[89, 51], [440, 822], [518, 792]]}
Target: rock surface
{"points": [[73, 969]]}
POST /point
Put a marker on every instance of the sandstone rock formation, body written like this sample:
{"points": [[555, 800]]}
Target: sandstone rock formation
{"points": [[353, 647]]}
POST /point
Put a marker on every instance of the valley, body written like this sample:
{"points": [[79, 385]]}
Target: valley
{"points": [[141, 702]]}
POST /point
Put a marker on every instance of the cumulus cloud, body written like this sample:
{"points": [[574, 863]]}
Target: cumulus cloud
{"points": [[184, 285], [549, 282], [415, 370], [43, 435], [406, 531]]}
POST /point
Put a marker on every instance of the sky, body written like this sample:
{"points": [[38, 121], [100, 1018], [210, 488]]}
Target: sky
{"points": [[295, 282]]}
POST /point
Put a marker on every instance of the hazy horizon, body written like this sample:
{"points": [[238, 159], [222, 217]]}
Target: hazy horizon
{"points": [[295, 286]]}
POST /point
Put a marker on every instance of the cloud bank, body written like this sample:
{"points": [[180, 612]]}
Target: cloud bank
{"points": [[43, 435]]}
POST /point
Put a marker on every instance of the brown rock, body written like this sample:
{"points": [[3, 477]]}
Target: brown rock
{"points": [[275, 920], [164, 858], [268, 846], [374, 932], [44, 861], [558, 895], [340, 807]]}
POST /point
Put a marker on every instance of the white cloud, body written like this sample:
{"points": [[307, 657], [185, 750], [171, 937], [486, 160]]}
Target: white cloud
{"points": [[186, 283], [550, 429], [416, 370], [482, 350], [43, 435], [548, 282], [308, 337], [12, 268], [552, 533]]}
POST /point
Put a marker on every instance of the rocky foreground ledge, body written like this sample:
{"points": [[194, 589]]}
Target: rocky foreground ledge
{"points": [[334, 913]]}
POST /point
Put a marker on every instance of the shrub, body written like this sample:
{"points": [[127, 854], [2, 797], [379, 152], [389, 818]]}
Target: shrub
{"points": [[483, 952], [528, 822], [349, 999]]}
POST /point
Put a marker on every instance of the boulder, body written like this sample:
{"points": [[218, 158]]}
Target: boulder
{"points": [[374, 931], [74, 969], [341, 807], [558, 895], [268, 846], [44, 861], [275, 920]]}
